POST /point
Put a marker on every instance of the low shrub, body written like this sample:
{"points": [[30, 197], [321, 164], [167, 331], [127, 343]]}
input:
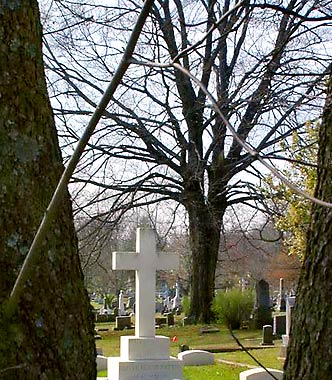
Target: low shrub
{"points": [[233, 307]]}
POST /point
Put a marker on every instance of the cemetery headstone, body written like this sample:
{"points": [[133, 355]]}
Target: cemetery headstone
{"points": [[130, 303], [145, 355], [176, 301], [290, 303], [260, 374], [105, 310], [161, 321], [209, 330], [121, 308], [159, 307], [281, 305], [196, 357], [267, 335], [279, 325], [167, 304], [123, 322], [101, 362], [262, 311], [170, 319]]}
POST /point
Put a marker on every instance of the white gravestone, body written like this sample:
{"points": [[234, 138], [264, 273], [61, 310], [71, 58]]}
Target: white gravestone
{"points": [[176, 301], [281, 306], [290, 303], [196, 357], [144, 356], [121, 310], [261, 374]]}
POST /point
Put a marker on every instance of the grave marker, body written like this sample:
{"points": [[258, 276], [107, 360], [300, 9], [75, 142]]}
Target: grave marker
{"points": [[262, 312], [122, 322], [121, 308], [290, 303], [144, 356], [176, 301], [145, 261], [261, 374], [196, 357], [267, 335], [281, 306], [279, 325]]}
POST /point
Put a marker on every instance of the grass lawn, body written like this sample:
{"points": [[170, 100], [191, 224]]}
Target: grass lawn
{"points": [[216, 372], [191, 336], [268, 357]]}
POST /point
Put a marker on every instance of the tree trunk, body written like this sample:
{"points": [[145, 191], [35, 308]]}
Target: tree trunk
{"points": [[51, 333], [204, 228], [309, 354]]}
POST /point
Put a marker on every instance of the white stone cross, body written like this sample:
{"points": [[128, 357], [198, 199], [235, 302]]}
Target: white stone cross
{"points": [[145, 261]]}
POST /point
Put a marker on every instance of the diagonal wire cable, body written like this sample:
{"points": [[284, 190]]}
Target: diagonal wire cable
{"points": [[248, 353]]}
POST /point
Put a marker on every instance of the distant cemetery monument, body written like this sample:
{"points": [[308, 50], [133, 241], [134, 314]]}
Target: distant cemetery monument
{"points": [[145, 355], [290, 304], [281, 306], [176, 301], [121, 310], [262, 310]]}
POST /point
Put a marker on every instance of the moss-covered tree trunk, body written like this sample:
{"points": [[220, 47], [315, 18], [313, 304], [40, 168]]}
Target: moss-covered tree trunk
{"points": [[309, 354], [50, 335]]}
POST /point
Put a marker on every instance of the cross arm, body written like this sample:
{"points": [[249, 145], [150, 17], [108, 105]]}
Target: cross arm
{"points": [[168, 261], [124, 260]]}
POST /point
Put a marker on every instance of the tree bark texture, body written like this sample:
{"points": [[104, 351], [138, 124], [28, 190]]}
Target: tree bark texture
{"points": [[205, 221], [51, 334], [204, 242], [309, 353]]}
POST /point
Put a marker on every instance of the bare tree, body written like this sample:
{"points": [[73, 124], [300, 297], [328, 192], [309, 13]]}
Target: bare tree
{"points": [[161, 140]]}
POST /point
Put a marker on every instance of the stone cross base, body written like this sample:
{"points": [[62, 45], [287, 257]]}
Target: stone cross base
{"points": [[141, 348], [144, 358], [148, 369]]}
